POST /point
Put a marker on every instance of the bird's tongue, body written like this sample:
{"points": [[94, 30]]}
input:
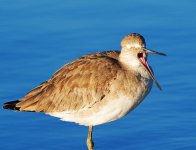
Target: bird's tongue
{"points": [[145, 63]]}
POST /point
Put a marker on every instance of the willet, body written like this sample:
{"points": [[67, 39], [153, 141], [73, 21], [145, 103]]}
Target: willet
{"points": [[96, 88]]}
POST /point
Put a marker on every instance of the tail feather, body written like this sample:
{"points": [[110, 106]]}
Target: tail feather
{"points": [[11, 105]]}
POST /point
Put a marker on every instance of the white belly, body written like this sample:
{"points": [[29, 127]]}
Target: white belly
{"points": [[110, 111]]}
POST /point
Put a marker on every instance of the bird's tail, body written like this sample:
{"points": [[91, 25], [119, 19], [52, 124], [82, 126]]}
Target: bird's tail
{"points": [[11, 105]]}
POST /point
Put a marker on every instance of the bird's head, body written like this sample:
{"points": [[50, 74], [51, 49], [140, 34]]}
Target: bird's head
{"points": [[135, 53]]}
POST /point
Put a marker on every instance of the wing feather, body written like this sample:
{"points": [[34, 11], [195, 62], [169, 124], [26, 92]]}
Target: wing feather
{"points": [[77, 85]]}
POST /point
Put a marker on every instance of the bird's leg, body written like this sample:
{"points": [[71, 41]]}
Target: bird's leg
{"points": [[89, 140]]}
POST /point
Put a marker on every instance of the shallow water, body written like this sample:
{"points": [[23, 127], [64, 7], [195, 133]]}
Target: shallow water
{"points": [[38, 37]]}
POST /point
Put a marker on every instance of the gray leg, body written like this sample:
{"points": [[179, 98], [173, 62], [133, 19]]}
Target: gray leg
{"points": [[89, 140]]}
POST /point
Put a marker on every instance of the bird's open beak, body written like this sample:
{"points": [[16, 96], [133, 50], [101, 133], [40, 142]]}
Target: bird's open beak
{"points": [[143, 59]]}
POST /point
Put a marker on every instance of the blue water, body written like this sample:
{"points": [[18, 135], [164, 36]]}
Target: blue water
{"points": [[38, 37]]}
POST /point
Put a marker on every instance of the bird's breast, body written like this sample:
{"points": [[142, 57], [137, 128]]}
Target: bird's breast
{"points": [[125, 95]]}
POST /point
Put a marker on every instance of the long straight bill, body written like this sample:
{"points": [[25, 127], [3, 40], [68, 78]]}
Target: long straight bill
{"points": [[154, 52]]}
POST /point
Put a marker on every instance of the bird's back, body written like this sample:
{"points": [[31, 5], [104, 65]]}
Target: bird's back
{"points": [[75, 86]]}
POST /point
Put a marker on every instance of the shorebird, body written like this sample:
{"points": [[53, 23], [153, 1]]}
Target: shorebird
{"points": [[96, 88]]}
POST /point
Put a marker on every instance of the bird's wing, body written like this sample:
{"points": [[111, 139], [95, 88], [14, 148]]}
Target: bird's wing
{"points": [[77, 85]]}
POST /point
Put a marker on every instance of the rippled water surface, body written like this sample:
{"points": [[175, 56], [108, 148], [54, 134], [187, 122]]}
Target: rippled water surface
{"points": [[38, 37]]}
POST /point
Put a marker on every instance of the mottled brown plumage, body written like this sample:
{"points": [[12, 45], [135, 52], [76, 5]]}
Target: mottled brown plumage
{"points": [[96, 88], [76, 85]]}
